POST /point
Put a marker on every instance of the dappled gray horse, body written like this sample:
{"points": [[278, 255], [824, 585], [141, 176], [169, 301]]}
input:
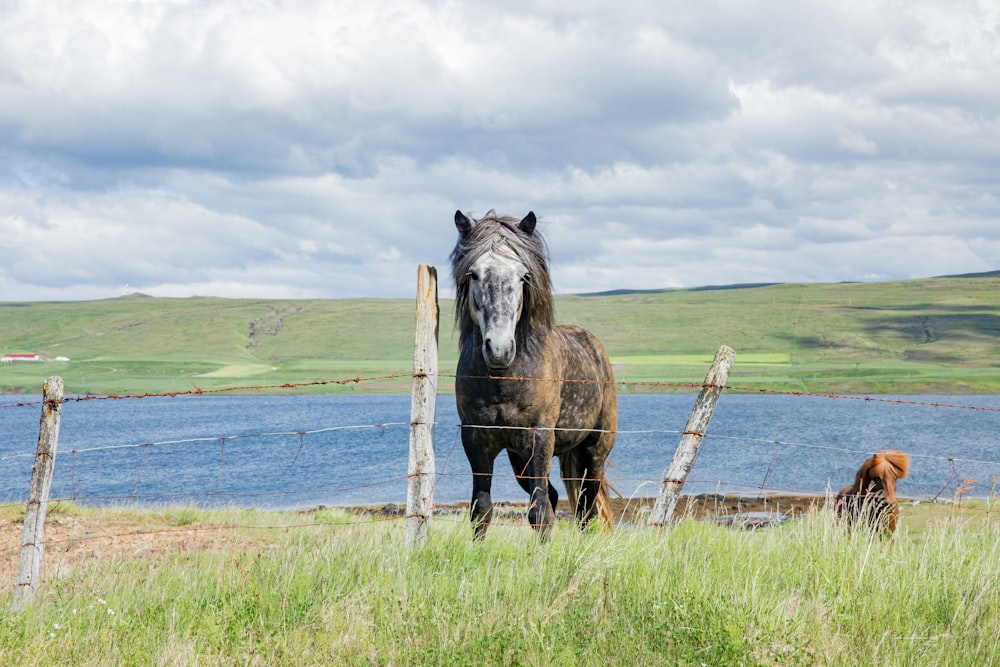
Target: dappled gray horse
{"points": [[524, 384]]}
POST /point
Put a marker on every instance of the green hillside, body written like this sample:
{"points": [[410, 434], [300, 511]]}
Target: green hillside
{"points": [[918, 336]]}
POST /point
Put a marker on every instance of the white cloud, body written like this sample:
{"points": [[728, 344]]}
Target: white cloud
{"points": [[321, 148], [857, 143]]}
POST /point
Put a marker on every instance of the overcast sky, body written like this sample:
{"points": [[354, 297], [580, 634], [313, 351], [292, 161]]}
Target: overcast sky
{"points": [[320, 149]]}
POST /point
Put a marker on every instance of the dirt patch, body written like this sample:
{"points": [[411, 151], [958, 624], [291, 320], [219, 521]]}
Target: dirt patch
{"points": [[72, 541]]}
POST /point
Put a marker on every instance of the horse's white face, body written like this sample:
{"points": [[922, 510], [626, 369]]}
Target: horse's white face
{"points": [[496, 295]]}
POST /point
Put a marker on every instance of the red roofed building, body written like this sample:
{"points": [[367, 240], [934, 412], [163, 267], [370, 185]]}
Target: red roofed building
{"points": [[19, 357]]}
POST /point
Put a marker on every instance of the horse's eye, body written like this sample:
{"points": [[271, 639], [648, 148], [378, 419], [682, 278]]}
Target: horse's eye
{"points": [[526, 278], [473, 275]]}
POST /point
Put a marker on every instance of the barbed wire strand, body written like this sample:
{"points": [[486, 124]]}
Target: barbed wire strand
{"points": [[358, 379]]}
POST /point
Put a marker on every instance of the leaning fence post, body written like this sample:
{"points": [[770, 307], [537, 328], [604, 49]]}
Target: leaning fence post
{"points": [[33, 542], [694, 433], [423, 397]]}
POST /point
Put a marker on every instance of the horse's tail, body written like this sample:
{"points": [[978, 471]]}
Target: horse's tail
{"points": [[572, 476]]}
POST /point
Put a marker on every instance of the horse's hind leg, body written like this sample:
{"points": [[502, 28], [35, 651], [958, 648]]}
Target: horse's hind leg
{"points": [[593, 493], [587, 504]]}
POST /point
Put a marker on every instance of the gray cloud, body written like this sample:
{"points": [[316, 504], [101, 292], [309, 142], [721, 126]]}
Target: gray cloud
{"points": [[320, 149]]}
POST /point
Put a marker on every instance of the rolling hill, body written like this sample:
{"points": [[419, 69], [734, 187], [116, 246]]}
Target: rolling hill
{"points": [[934, 335]]}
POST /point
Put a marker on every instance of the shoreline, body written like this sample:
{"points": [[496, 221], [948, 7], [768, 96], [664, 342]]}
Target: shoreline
{"points": [[723, 509]]}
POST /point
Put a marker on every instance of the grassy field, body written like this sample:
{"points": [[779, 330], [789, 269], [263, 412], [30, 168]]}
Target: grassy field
{"points": [[938, 335], [330, 587], [190, 586]]}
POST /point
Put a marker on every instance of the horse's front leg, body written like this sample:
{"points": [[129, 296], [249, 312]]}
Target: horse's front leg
{"points": [[532, 463], [481, 461]]}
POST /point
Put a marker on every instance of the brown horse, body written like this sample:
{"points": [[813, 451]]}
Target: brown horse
{"points": [[524, 384], [872, 497]]}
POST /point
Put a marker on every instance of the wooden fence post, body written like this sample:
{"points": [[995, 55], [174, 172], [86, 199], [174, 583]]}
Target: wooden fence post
{"points": [[423, 399], [33, 542], [694, 433]]}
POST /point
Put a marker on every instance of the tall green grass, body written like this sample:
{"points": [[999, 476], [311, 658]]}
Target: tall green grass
{"points": [[337, 591]]}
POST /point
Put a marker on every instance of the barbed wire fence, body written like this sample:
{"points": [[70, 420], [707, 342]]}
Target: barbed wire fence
{"points": [[217, 453], [218, 456], [129, 475]]}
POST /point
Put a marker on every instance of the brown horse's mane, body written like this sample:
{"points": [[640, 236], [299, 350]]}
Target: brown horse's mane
{"points": [[885, 467], [501, 234], [873, 495]]}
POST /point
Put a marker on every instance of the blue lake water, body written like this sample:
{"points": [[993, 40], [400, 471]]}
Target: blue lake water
{"points": [[298, 451]]}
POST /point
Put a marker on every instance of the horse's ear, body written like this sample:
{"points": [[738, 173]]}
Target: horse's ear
{"points": [[528, 224], [463, 223]]}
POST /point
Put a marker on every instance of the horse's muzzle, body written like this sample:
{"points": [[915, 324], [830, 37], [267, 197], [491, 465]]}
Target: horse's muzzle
{"points": [[498, 357]]}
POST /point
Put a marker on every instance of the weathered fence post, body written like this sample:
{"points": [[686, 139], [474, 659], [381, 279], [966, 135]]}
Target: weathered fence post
{"points": [[33, 542], [423, 397], [694, 433]]}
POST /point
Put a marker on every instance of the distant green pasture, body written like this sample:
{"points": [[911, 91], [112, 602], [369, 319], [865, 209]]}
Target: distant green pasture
{"points": [[939, 335], [758, 358]]}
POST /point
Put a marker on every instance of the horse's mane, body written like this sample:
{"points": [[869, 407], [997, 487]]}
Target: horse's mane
{"points": [[875, 479], [501, 234], [887, 465]]}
